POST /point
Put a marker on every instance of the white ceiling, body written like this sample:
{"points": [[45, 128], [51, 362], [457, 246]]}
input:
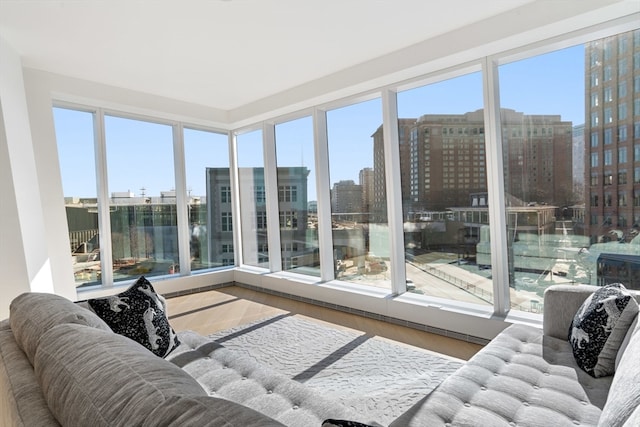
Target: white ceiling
{"points": [[223, 53]]}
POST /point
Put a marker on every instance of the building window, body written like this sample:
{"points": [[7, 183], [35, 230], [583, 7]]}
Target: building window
{"points": [[636, 175], [226, 221], [594, 160], [594, 200], [636, 133], [261, 220], [225, 194], [594, 119], [622, 176], [622, 89], [608, 94], [288, 220], [622, 154], [608, 200], [608, 158], [622, 111], [622, 66], [227, 248], [261, 197], [287, 193], [607, 73], [594, 139], [594, 99], [594, 179], [636, 153], [594, 79], [608, 178], [622, 133], [608, 115], [636, 197], [636, 84], [622, 198], [608, 136]]}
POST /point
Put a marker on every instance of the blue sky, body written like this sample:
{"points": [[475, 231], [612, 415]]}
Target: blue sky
{"points": [[140, 154]]}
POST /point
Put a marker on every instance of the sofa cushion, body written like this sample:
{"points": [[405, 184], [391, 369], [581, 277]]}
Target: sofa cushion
{"points": [[624, 394], [520, 378], [33, 314], [21, 401], [139, 313], [91, 377], [206, 411], [599, 327]]}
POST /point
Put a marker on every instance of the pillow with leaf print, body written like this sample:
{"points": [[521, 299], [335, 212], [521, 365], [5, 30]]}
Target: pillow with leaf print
{"points": [[139, 313]]}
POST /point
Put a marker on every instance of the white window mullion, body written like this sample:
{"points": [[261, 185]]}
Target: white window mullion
{"points": [[271, 192], [102, 191], [394, 195], [181, 200], [495, 184], [235, 199], [325, 240]]}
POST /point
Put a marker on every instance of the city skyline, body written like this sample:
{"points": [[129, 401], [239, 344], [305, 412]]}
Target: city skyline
{"points": [[353, 132]]}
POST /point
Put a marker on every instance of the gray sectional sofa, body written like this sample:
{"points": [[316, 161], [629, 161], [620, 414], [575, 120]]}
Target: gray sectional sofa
{"points": [[60, 364]]}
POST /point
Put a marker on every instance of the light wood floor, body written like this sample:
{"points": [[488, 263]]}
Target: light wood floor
{"points": [[212, 311]]}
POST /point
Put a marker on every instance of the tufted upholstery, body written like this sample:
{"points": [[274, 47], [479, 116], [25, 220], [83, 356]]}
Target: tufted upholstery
{"points": [[528, 377], [520, 378], [226, 374]]}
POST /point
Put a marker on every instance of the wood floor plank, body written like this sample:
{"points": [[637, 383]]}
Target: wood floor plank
{"points": [[217, 310]]}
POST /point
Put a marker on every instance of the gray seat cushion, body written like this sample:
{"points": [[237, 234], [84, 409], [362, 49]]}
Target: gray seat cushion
{"points": [[91, 377], [520, 378], [21, 401], [32, 314], [229, 375], [624, 395], [206, 411]]}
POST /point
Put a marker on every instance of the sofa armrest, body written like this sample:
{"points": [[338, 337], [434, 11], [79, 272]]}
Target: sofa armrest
{"points": [[561, 302]]}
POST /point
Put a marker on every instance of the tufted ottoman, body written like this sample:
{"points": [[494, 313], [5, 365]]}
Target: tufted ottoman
{"points": [[225, 374]]}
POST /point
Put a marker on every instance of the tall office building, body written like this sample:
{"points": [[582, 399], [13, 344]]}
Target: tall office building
{"points": [[612, 132], [443, 163], [365, 179], [292, 209], [346, 197]]}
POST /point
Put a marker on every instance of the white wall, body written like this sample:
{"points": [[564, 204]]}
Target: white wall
{"points": [[22, 227]]}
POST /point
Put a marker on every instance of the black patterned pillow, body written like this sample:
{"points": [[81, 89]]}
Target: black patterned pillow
{"points": [[343, 423], [599, 327], [139, 313]]}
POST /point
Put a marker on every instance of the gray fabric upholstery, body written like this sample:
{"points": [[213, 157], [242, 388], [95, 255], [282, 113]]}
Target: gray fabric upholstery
{"points": [[206, 411], [624, 395], [520, 377], [32, 314], [21, 401], [91, 377], [561, 302], [224, 373]]}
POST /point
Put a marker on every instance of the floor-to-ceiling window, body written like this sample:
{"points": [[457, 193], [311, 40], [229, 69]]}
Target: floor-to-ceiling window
{"points": [[297, 200], [566, 138], [142, 197], [359, 222], [208, 199], [76, 153], [569, 125], [253, 199], [444, 189]]}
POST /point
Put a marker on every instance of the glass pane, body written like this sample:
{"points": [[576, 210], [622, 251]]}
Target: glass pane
{"points": [[358, 194], [74, 134], [297, 197], [142, 206], [253, 198], [444, 190], [544, 123], [208, 196]]}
